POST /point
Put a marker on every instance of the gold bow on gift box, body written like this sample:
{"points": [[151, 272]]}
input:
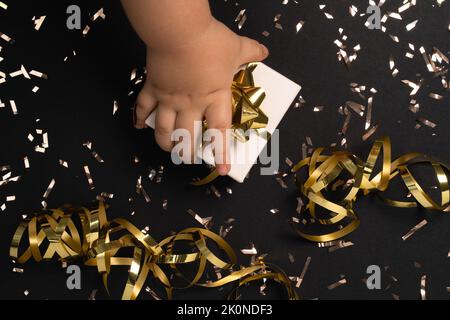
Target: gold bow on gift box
{"points": [[246, 100], [246, 103]]}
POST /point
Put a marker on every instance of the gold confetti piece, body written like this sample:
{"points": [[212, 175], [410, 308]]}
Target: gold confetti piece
{"points": [[414, 107], [3, 5], [13, 107], [251, 251], [38, 74], [18, 270], [164, 204], [26, 162], [5, 37], [206, 222], [423, 293], [152, 293], [426, 122], [439, 56], [414, 86], [391, 63], [395, 38], [10, 198], [266, 33], [107, 195], [38, 22], [404, 7], [281, 182], [299, 25], [93, 294], [352, 10], [340, 245], [140, 190], [215, 191], [337, 284], [341, 219], [26, 292], [368, 113], [86, 30], [318, 108], [89, 177], [115, 107], [63, 163], [303, 273], [49, 189], [356, 107], [435, 96], [291, 257], [35, 89], [100, 13], [426, 59], [409, 55], [241, 18], [395, 15], [274, 211], [329, 16], [414, 229], [3, 207], [411, 25]]}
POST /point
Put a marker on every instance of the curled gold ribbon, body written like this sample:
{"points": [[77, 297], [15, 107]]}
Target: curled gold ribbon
{"points": [[246, 100], [323, 170], [100, 241]]}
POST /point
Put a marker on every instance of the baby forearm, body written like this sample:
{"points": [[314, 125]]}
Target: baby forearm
{"points": [[167, 24]]}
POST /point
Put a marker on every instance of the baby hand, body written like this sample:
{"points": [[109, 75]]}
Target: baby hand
{"points": [[191, 81]]}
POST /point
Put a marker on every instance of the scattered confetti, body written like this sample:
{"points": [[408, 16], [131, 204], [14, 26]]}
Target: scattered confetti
{"points": [[414, 229]]}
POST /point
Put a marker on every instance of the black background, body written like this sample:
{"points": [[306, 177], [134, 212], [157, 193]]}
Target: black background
{"points": [[75, 105]]}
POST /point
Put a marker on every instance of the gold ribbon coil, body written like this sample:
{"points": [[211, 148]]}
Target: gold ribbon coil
{"points": [[100, 241], [323, 170]]}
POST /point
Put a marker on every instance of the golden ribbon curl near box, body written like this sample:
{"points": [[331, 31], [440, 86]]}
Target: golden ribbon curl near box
{"points": [[99, 242], [323, 170], [246, 100]]}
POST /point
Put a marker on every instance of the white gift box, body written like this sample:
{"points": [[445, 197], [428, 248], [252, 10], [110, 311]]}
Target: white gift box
{"points": [[280, 93]]}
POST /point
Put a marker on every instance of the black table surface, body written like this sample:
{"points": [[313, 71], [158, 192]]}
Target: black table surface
{"points": [[75, 105]]}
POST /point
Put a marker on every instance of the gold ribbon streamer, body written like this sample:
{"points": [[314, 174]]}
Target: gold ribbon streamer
{"points": [[324, 169], [54, 233], [246, 102]]}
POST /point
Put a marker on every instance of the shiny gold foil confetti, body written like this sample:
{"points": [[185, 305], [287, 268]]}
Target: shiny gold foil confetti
{"points": [[99, 14], [49, 189], [337, 284], [5, 37], [3, 5], [303, 273], [38, 22], [89, 177], [38, 74], [13, 107], [411, 25], [423, 292], [299, 26], [414, 229], [99, 242], [426, 122]]}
